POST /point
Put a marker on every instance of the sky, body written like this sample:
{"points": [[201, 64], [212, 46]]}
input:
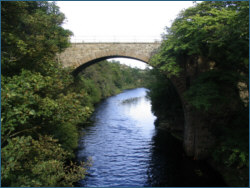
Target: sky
{"points": [[120, 21]]}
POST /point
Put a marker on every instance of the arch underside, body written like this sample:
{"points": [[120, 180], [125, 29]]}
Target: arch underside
{"points": [[96, 60]]}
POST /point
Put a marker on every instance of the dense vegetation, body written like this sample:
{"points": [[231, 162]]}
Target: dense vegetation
{"points": [[42, 104], [105, 78], [218, 33]]}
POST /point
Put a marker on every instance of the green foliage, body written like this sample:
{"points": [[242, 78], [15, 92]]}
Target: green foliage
{"points": [[217, 32], [37, 106], [29, 105], [105, 78], [212, 90], [233, 147], [166, 103], [34, 163], [31, 35]]}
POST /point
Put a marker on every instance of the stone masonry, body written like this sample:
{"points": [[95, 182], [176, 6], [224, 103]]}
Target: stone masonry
{"points": [[84, 53]]}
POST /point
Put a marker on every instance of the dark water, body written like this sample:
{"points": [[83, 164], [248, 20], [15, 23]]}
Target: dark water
{"points": [[127, 150]]}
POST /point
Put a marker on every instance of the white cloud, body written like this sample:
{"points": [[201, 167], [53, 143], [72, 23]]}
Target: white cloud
{"points": [[120, 18]]}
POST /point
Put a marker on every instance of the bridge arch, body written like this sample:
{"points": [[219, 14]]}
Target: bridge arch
{"points": [[101, 58]]}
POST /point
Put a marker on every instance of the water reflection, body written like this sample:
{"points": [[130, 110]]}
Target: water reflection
{"points": [[127, 150], [132, 101], [169, 167], [119, 142]]}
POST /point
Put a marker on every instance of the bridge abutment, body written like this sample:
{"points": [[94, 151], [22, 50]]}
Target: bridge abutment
{"points": [[198, 138]]}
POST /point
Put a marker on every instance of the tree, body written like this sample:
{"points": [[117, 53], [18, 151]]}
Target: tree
{"points": [[216, 32], [39, 116], [34, 163], [31, 35]]}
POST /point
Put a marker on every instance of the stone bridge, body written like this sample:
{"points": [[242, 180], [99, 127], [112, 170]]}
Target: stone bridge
{"points": [[197, 136], [80, 55]]}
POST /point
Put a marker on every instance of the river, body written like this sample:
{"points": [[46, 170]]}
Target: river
{"points": [[128, 151]]}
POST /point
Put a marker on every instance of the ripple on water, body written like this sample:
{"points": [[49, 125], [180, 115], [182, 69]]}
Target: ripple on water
{"points": [[124, 149], [117, 143]]}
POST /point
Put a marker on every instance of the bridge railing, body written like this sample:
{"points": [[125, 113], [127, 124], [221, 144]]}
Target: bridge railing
{"points": [[118, 39]]}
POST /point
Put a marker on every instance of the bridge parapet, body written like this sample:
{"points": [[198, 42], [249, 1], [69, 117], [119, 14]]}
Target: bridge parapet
{"points": [[115, 39]]}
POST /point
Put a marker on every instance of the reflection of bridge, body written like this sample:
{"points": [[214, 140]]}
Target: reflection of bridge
{"points": [[80, 55]]}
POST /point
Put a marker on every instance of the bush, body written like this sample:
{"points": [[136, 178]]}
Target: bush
{"points": [[34, 163]]}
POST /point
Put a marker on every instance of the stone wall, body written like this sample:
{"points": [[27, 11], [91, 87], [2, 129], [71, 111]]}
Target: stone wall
{"points": [[198, 137]]}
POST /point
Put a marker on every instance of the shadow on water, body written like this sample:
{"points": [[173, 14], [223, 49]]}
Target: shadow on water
{"points": [[169, 167]]}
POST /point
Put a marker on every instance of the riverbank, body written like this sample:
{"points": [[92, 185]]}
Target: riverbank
{"points": [[200, 172], [231, 177]]}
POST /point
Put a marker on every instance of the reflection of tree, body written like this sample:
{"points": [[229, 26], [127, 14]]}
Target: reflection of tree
{"points": [[169, 167], [133, 101], [165, 160]]}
